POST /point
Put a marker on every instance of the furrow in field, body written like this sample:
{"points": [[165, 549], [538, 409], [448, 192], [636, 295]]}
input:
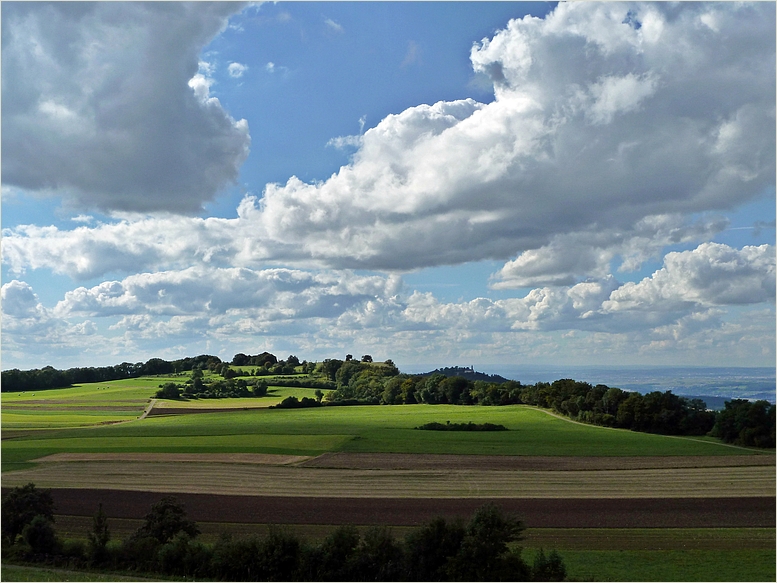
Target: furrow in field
{"points": [[254, 479]]}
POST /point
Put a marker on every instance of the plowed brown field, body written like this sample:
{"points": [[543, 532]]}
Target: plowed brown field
{"points": [[536, 513]]}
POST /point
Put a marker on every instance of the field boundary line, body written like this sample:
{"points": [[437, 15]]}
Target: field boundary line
{"points": [[568, 420]]}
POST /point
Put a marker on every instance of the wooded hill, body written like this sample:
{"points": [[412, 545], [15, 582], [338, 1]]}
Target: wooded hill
{"points": [[364, 382]]}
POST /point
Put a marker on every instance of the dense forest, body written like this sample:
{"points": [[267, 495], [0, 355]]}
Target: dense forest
{"points": [[167, 544], [364, 382]]}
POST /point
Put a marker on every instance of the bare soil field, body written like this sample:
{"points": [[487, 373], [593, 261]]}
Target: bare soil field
{"points": [[535, 513], [402, 461], [252, 479], [232, 458]]}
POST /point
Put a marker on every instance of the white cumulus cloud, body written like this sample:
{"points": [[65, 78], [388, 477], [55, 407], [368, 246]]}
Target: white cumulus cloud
{"points": [[105, 103]]}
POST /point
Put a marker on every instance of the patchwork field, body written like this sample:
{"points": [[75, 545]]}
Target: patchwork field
{"points": [[239, 466]]}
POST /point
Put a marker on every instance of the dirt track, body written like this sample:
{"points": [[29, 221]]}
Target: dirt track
{"points": [[536, 513]]}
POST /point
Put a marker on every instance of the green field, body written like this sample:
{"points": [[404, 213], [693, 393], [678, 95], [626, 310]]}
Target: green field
{"points": [[388, 429], [670, 565], [25, 573], [114, 401]]}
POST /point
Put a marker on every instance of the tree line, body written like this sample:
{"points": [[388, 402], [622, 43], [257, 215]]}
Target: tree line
{"points": [[17, 381], [481, 550], [48, 377], [741, 422]]}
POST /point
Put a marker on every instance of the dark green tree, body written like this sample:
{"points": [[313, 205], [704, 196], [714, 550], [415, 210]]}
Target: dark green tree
{"points": [[99, 535], [429, 549], [484, 554], [259, 389], [336, 555], [40, 535], [378, 556], [21, 505], [166, 519], [169, 391], [278, 557]]}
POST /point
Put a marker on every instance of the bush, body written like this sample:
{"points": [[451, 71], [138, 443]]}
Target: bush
{"points": [[168, 391], [550, 568], [40, 536], [294, 403]]}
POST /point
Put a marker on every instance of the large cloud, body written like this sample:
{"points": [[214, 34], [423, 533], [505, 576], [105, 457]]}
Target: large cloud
{"points": [[611, 122], [97, 104], [604, 114]]}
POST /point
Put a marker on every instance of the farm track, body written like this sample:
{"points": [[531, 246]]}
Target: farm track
{"points": [[535, 513], [208, 477]]}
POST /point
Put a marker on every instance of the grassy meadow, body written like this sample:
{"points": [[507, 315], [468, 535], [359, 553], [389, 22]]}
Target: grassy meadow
{"points": [[386, 429]]}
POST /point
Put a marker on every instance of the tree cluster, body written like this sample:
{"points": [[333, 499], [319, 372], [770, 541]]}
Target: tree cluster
{"points": [[166, 544], [16, 381], [656, 412], [746, 423], [448, 426]]}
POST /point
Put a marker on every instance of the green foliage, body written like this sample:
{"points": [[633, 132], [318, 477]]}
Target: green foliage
{"points": [[166, 519], [550, 568], [333, 559], [259, 388], [40, 536], [469, 426], [429, 549], [484, 554], [185, 557], [746, 423], [169, 391], [294, 403], [99, 536], [21, 506]]}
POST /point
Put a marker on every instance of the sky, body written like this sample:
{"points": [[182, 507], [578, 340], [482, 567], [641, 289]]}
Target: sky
{"points": [[450, 183]]}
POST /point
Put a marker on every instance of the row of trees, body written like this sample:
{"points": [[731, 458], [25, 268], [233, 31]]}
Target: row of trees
{"points": [[166, 543], [654, 412], [16, 380]]}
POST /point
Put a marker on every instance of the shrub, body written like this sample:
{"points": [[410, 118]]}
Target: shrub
{"points": [[40, 536]]}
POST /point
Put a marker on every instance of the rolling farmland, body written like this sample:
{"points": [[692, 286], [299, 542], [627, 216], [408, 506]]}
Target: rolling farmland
{"points": [[236, 461]]}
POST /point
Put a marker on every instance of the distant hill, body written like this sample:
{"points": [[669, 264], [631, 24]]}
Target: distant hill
{"points": [[466, 372]]}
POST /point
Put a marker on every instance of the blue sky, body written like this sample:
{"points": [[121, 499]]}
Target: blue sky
{"points": [[437, 182]]}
